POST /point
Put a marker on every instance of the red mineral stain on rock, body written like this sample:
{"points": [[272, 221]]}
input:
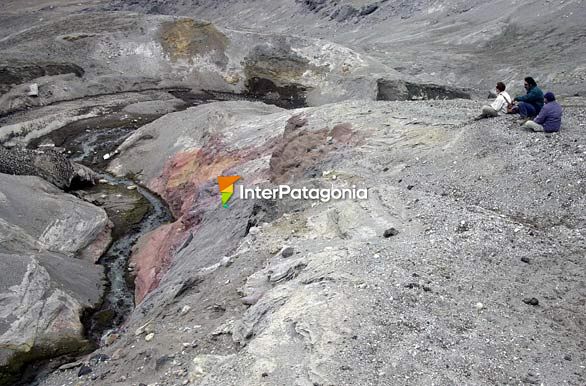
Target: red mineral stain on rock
{"points": [[153, 256], [186, 171], [188, 185], [302, 150], [343, 133], [184, 177]]}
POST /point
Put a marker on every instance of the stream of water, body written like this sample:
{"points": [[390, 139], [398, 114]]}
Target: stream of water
{"points": [[133, 209], [118, 302]]}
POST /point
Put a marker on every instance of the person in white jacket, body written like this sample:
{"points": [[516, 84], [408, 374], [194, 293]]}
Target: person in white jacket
{"points": [[500, 104]]}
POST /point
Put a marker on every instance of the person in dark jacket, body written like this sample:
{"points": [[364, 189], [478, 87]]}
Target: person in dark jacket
{"points": [[531, 103], [549, 119]]}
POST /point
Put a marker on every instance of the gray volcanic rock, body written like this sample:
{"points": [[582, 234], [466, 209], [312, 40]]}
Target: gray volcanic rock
{"points": [[128, 52], [185, 131], [47, 164], [464, 43], [14, 73], [44, 288], [20, 128], [57, 222], [398, 90]]}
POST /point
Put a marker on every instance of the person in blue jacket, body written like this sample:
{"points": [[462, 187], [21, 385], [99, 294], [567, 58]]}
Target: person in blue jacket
{"points": [[530, 104], [549, 119]]}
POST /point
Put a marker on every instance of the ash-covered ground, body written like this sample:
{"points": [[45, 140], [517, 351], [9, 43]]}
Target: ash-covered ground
{"points": [[465, 265]]}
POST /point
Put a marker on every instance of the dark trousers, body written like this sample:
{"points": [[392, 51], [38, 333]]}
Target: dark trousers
{"points": [[527, 110]]}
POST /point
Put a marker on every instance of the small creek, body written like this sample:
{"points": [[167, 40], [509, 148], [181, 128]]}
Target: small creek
{"points": [[132, 209]]}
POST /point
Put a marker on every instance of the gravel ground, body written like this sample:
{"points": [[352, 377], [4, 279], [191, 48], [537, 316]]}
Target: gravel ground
{"points": [[489, 217]]}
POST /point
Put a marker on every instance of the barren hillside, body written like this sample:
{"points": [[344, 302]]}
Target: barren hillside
{"points": [[120, 266]]}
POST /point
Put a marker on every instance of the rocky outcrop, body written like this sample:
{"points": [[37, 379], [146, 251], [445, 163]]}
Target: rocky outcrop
{"points": [[15, 72], [23, 129], [189, 149], [44, 286], [399, 90], [459, 43], [47, 164]]}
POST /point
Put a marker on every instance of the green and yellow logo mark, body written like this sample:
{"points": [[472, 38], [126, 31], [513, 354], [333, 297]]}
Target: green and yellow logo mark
{"points": [[226, 184]]}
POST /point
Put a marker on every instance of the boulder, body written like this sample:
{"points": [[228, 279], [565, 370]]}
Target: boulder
{"points": [[47, 164], [400, 90], [18, 72], [42, 296], [44, 289]]}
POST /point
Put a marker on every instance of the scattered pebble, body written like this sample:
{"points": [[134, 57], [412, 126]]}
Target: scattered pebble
{"points": [[531, 301], [117, 354], [98, 358], [84, 370], [251, 299], [69, 366], [185, 310], [525, 260], [463, 227], [141, 329], [110, 339], [390, 233], [287, 252], [107, 156], [228, 261], [33, 90], [132, 187], [149, 337]]}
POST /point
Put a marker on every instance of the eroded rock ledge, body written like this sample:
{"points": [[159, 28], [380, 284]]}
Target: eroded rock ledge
{"points": [[47, 164], [47, 272]]}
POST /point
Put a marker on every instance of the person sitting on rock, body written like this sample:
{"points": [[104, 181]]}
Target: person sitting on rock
{"points": [[531, 103], [500, 104], [549, 119]]}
